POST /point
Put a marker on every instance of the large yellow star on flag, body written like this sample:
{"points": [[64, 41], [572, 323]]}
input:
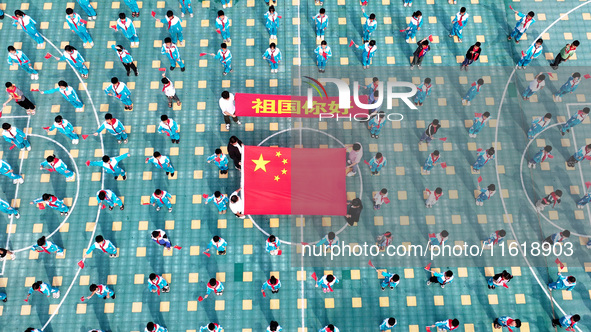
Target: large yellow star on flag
{"points": [[260, 163]]}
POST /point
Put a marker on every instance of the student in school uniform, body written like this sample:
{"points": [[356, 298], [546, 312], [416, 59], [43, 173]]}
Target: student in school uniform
{"points": [[423, 90], [458, 24], [53, 164], [390, 280], [568, 87], [273, 284], [27, 24], [169, 127], [17, 57], [30, 329], [272, 22], [219, 244], [15, 136], [272, 245], [78, 26], [433, 159], [499, 280], [482, 158], [323, 52], [111, 165], [235, 151], [6, 170], [6, 254], [581, 202], [485, 194], [16, 94], [532, 52], [583, 153], [120, 91], [65, 127], [88, 9], [222, 23], [329, 328], [565, 53], [162, 162], [557, 237], [186, 8], [553, 198], [416, 21], [368, 50], [563, 283], [329, 241], [274, 327], [506, 321], [48, 247], [389, 323], [1, 14], [6, 208], [574, 120], [495, 238], [102, 291], [369, 26], [472, 92], [220, 160], [237, 204], [384, 240], [43, 288], [523, 23], [354, 209], [225, 57], [327, 282], [419, 54], [161, 198], [211, 327], [478, 123], [173, 24], [68, 93], [214, 286], [127, 28], [75, 59], [380, 198], [375, 124], [540, 157], [220, 201], [377, 163], [104, 245], [126, 59], [153, 327], [538, 125], [442, 278], [157, 284], [228, 108], [431, 130], [568, 321], [438, 239], [321, 23], [161, 238], [534, 86], [472, 55], [108, 197], [53, 202], [133, 6], [433, 197], [172, 53], [273, 56], [113, 127]]}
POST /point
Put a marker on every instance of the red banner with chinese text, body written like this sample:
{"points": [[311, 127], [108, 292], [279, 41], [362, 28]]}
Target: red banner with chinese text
{"points": [[281, 106]]}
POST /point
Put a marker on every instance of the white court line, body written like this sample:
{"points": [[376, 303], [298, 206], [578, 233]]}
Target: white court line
{"points": [[98, 213], [580, 165], [16, 190], [534, 273]]}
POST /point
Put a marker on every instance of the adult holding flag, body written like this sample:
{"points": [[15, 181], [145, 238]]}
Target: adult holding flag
{"points": [[16, 94]]}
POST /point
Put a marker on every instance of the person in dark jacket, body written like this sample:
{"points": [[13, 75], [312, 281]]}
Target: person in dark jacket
{"points": [[354, 211], [419, 54], [235, 151], [472, 55]]}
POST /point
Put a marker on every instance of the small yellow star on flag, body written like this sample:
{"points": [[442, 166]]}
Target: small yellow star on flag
{"points": [[260, 163], [278, 154], [277, 178], [284, 161], [284, 171]]}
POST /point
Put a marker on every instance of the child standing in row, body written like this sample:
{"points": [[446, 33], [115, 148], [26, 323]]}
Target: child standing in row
{"points": [[478, 123]]}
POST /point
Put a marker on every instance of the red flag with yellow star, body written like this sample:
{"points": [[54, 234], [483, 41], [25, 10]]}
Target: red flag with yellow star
{"points": [[294, 181]]}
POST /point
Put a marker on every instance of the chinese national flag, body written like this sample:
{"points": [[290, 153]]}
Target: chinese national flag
{"points": [[294, 181]]}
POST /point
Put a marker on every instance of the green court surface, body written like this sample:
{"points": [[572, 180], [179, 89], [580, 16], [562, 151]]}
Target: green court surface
{"points": [[358, 303]]}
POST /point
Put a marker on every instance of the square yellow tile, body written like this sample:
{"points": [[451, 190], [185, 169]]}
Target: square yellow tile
{"points": [[566, 295], [247, 249], [520, 298], [44, 178], [110, 308], [493, 299], [38, 228], [25, 310], [302, 304], [136, 307], [192, 306], [164, 306], [140, 252], [81, 308], [274, 304], [329, 303], [194, 250], [438, 300], [220, 305], [466, 300], [84, 280], [411, 301]]}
